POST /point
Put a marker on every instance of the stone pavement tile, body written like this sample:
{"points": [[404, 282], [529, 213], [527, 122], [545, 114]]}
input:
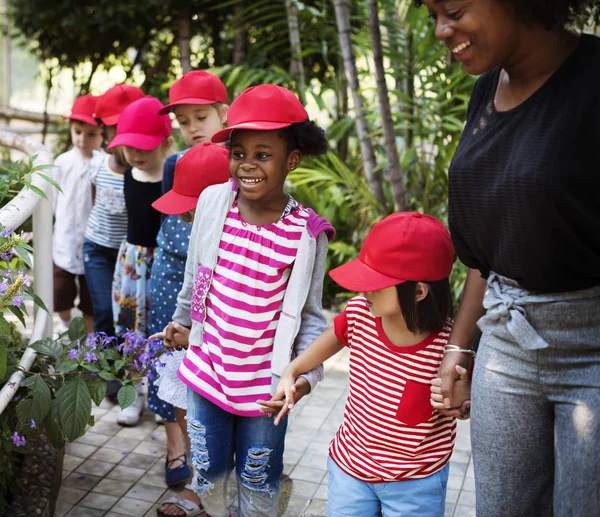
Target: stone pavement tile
{"points": [[135, 433], [313, 459], [292, 456], [316, 508], [452, 496], [154, 448], [157, 480], [304, 489], [70, 463], [449, 510], [321, 492], [106, 428], [91, 438], [132, 507], [98, 412], [458, 469], [464, 511], [80, 481], [469, 484], [95, 467], [108, 455], [466, 499], [146, 492], [325, 436], [307, 474], [65, 474], [81, 450], [61, 508], [152, 511], [82, 511], [139, 461], [297, 506], [461, 456], [112, 487], [455, 481], [470, 471], [71, 495], [107, 404], [123, 473], [98, 501], [122, 444], [312, 422]]}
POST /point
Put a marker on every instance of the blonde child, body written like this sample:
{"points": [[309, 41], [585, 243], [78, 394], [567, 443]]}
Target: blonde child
{"points": [[146, 139], [72, 208], [201, 166], [390, 455], [247, 307], [199, 103]]}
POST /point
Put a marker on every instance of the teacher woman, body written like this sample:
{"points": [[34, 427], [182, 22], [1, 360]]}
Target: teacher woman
{"points": [[524, 213]]}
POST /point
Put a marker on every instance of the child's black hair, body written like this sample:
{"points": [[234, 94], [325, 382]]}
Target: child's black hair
{"points": [[429, 314], [307, 137]]}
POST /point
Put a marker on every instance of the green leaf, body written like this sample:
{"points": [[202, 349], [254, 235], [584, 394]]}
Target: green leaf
{"points": [[119, 363], [77, 329], [91, 368], [18, 313], [3, 360], [107, 376], [97, 389], [112, 354], [75, 406], [37, 190], [52, 431], [23, 254], [5, 326], [126, 396], [68, 365], [48, 348], [46, 177], [36, 299], [37, 407]]}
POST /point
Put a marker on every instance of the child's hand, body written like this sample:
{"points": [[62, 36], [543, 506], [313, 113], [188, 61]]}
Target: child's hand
{"points": [[289, 391], [461, 395], [174, 336]]}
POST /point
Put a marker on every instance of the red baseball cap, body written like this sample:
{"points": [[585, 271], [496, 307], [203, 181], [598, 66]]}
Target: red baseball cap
{"points": [[403, 246], [265, 107], [114, 101], [200, 167], [196, 87], [83, 110], [141, 127]]}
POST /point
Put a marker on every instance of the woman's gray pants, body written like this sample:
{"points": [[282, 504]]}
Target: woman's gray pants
{"points": [[535, 421]]}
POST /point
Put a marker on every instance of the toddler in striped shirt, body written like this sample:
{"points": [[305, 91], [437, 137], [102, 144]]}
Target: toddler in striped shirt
{"points": [[390, 454], [252, 297]]}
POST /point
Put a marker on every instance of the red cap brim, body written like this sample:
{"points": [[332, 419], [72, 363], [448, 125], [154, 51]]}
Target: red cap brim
{"points": [[110, 120], [225, 134], [86, 119], [356, 276], [190, 100], [173, 203], [137, 141]]}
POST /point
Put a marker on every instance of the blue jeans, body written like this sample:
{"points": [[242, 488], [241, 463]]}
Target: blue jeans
{"points": [[99, 263], [222, 441], [350, 497]]}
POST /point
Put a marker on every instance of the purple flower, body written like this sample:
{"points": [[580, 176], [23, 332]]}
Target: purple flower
{"points": [[16, 398], [32, 424], [4, 286], [6, 232], [80, 475], [18, 301], [18, 440], [26, 279], [73, 354], [90, 357], [7, 256]]}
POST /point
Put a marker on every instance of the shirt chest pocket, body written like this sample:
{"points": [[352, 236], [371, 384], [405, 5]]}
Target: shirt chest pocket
{"points": [[201, 286], [414, 407]]}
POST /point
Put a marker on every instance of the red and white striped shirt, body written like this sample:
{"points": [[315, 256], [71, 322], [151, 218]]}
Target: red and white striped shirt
{"points": [[232, 368], [390, 431]]}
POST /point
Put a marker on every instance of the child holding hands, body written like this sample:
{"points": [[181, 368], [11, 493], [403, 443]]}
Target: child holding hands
{"points": [[252, 296], [390, 455]]}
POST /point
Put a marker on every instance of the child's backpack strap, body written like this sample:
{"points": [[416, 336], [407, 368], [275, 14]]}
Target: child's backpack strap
{"points": [[317, 224]]}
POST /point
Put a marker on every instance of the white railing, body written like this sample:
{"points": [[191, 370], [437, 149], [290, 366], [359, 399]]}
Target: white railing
{"points": [[13, 215]]}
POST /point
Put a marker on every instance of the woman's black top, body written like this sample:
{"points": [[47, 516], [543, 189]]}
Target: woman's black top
{"points": [[143, 221], [524, 186]]}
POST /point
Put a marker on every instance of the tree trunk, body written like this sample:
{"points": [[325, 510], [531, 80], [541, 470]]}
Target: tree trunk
{"points": [[85, 88], [239, 41], [387, 124], [342, 14], [184, 36], [296, 66]]}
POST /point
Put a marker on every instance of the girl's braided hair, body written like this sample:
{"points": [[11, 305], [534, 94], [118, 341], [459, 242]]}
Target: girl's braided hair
{"points": [[552, 14]]}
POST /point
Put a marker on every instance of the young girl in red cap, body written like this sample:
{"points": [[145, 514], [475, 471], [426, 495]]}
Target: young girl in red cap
{"points": [[198, 101], [252, 297], [390, 455], [72, 206], [146, 139]]}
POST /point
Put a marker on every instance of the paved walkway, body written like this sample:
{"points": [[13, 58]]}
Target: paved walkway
{"points": [[113, 471]]}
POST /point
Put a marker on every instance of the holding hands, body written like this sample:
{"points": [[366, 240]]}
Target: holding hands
{"points": [[289, 391], [460, 394], [174, 336]]}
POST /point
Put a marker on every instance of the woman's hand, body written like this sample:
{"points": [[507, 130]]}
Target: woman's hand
{"points": [[448, 372], [289, 391], [174, 336], [461, 395]]}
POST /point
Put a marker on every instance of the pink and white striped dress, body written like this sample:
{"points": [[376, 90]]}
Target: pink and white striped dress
{"points": [[232, 368]]}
